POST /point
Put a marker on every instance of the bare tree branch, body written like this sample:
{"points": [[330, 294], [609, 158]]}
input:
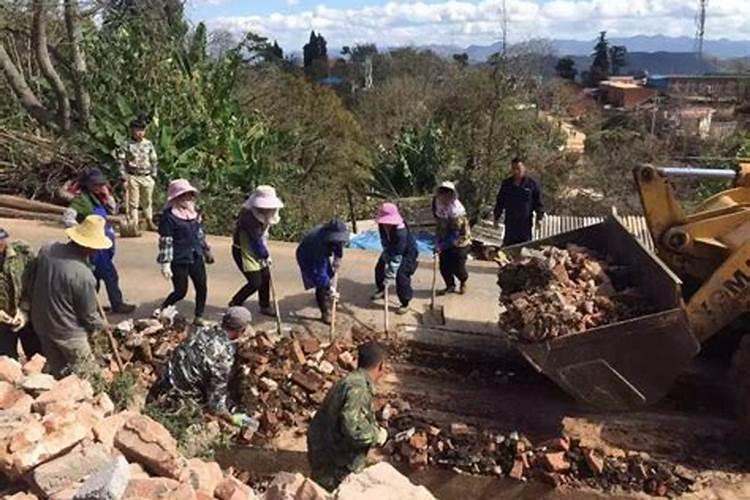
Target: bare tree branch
{"points": [[39, 35], [73, 27], [23, 92]]}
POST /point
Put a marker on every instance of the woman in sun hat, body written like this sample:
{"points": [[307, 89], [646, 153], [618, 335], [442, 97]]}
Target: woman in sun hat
{"points": [[183, 250], [250, 246], [453, 237], [399, 258], [319, 256]]}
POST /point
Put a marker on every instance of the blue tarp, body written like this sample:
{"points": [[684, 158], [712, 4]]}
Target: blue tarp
{"points": [[370, 240]]}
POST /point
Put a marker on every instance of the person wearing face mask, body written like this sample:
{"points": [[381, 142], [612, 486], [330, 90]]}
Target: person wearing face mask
{"points": [[319, 257], [250, 246], [95, 198], [183, 249], [453, 237]]}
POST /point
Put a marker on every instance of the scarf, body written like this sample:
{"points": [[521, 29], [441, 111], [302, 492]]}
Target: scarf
{"points": [[452, 210], [265, 219], [183, 209]]}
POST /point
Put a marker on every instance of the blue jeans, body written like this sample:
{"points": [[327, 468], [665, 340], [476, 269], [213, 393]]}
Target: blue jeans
{"points": [[104, 270]]}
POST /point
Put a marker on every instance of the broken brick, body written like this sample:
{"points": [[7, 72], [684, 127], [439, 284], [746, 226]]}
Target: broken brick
{"points": [[518, 470], [295, 351], [346, 360], [594, 461], [308, 342], [418, 441], [555, 462], [309, 381]]}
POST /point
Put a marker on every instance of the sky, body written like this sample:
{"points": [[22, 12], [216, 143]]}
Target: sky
{"points": [[466, 22]]}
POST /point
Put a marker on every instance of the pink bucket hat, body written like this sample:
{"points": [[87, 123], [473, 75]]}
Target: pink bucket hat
{"points": [[388, 214], [264, 197], [178, 187]]}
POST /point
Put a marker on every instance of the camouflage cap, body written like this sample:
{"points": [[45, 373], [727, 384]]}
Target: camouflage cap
{"points": [[236, 318]]}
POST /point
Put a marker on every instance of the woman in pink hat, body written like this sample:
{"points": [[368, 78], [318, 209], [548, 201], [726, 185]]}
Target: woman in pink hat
{"points": [[183, 250], [399, 258], [250, 246]]}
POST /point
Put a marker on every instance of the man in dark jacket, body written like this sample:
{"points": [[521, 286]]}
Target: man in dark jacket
{"points": [[95, 199], [519, 197], [344, 427], [319, 257]]}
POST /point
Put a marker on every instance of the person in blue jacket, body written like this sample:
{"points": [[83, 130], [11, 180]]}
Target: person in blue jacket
{"points": [[319, 257], [399, 258]]}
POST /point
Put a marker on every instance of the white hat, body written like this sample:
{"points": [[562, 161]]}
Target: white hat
{"points": [[264, 197], [447, 185]]}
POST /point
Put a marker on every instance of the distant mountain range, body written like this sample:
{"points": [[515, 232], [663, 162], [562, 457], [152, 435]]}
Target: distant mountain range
{"points": [[722, 48]]}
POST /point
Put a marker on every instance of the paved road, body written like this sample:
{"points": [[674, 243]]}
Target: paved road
{"points": [[143, 284]]}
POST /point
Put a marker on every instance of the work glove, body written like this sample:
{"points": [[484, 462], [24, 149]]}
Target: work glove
{"points": [[382, 436], [19, 320], [336, 264], [333, 294], [208, 255], [269, 261], [166, 271], [241, 419]]}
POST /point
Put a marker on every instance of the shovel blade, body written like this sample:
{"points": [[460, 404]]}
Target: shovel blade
{"points": [[433, 316]]}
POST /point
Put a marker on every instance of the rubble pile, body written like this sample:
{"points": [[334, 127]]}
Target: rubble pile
{"points": [[61, 441], [559, 461], [550, 291], [144, 345], [285, 379]]}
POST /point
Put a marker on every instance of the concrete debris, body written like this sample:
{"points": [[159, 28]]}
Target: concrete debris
{"points": [[107, 483], [550, 292], [383, 482]]}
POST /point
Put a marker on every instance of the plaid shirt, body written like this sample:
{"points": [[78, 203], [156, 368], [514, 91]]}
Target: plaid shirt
{"points": [[166, 250]]}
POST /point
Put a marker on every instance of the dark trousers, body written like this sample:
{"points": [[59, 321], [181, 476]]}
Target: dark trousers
{"points": [[453, 265], [403, 279], [323, 298], [197, 274], [105, 270], [257, 281], [9, 341], [516, 233]]}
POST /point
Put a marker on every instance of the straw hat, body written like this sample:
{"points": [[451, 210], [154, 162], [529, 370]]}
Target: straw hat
{"points": [[90, 233], [178, 187], [389, 215]]}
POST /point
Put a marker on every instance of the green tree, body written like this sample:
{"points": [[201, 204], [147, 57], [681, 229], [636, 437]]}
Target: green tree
{"points": [[618, 56], [315, 56], [600, 66], [566, 68], [461, 59], [198, 45]]}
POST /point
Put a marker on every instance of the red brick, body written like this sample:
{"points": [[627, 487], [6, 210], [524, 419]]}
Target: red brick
{"points": [[418, 441], [517, 471], [49, 446], [556, 462], [295, 352], [308, 342], [594, 461], [69, 389], [147, 442], [309, 381], [155, 487]]}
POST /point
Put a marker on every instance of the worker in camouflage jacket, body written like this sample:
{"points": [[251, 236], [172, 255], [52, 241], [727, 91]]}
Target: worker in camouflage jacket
{"points": [[16, 271], [204, 365], [138, 169], [344, 427]]}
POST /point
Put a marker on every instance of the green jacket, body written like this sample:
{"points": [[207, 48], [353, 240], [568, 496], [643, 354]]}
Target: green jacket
{"points": [[15, 271], [453, 233], [344, 428]]}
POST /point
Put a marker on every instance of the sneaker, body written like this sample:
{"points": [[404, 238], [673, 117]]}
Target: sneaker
{"points": [[446, 291], [380, 294], [199, 321], [268, 311], [123, 308], [463, 288], [402, 310]]}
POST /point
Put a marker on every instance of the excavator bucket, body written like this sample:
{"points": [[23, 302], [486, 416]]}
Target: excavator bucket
{"points": [[628, 364]]}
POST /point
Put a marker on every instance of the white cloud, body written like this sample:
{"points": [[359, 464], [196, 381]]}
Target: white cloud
{"points": [[292, 3], [465, 22]]}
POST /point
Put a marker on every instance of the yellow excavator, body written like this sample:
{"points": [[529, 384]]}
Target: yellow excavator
{"points": [[698, 283]]}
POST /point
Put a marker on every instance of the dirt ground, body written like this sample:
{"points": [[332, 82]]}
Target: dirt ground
{"points": [[692, 426]]}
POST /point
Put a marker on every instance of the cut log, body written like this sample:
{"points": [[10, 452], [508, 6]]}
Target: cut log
{"points": [[18, 203]]}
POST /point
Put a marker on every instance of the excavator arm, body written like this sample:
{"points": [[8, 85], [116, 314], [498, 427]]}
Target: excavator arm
{"points": [[710, 246]]}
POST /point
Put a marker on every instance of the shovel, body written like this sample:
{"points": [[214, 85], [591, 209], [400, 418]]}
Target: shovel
{"points": [[275, 302], [333, 306], [112, 341], [385, 311], [434, 315]]}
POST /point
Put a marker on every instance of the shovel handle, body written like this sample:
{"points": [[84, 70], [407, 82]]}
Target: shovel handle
{"points": [[335, 301], [434, 280], [275, 301], [385, 310], [112, 340]]}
